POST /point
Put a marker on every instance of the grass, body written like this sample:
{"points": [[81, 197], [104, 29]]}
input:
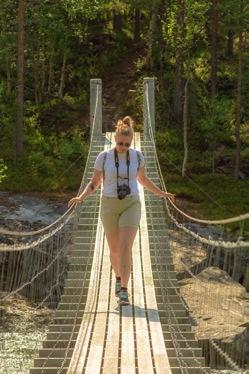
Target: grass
{"points": [[218, 196], [211, 196]]}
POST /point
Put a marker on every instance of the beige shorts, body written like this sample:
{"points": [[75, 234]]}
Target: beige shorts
{"points": [[115, 213]]}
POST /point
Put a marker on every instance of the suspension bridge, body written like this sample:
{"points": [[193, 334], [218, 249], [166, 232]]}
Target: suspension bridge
{"points": [[65, 267]]}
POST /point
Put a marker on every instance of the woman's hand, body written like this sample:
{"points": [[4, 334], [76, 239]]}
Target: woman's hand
{"points": [[168, 195], [74, 200]]}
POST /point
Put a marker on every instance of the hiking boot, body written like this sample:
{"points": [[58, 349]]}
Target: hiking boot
{"points": [[123, 297], [117, 287]]}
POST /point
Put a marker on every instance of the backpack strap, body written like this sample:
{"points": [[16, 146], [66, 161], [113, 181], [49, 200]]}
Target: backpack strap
{"points": [[103, 166], [138, 159], [104, 160]]}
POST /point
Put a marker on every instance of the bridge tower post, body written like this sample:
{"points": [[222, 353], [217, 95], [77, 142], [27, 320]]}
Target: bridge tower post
{"points": [[149, 89], [96, 95]]}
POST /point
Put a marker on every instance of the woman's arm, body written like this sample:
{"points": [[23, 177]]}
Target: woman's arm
{"points": [[147, 183], [94, 183]]}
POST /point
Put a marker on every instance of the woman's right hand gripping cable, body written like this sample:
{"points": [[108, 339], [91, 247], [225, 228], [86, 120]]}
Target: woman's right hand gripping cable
{"points": [[75, 200]]}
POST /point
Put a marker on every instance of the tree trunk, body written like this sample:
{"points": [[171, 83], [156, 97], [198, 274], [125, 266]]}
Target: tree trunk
{"points": [[163, 47], [8, 91], [185, 129], [43, 80], [230, 37], [214, 46], [155, 35], [213, 158], [38, 81], [178, 91], [117, 22], [179, 69], [63, 73], [136, 25], [50, 75], [20, 80], [238, 106], [152, 26], [35, 69]]}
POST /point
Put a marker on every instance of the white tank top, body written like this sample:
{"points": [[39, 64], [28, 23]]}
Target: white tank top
{"points": [[110, 181]]}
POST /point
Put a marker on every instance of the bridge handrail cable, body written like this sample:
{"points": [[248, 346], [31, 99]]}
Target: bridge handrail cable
{"points": [[215, 345], [216, 243]]}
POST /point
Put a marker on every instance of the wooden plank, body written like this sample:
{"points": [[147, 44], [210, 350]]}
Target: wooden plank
{"points": [[111, 354], [97, 342], [80, 350], [158, 345], [143, 345], [127, 365]]}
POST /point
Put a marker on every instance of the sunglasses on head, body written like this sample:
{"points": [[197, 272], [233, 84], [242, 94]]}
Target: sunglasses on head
{"points": [[125, 144]]}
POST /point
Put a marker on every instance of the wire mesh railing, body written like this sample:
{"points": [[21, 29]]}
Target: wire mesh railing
{"points": [[212, 262], [33, 268]]}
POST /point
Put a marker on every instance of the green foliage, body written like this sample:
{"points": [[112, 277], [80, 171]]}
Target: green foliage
{"points": [[57, 115], [235, 14], [134, 103], [85, 8], [217, 124], [194, 34], [7, 125], [50, 162], [169, 146], [3, 169], [110, 57], [212, 196]]}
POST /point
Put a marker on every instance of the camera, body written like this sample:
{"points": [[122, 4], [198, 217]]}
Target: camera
{"points": [[123, 191]]}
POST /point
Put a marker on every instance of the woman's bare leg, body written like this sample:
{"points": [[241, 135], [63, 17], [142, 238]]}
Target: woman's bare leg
{"points": [[112, 240], [126, 236]]}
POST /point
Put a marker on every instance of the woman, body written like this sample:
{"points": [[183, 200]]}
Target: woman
{"points": [[120, 167]]}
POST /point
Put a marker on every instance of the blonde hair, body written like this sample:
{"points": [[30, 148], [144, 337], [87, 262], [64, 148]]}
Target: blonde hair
{"points": [[124, 126]]}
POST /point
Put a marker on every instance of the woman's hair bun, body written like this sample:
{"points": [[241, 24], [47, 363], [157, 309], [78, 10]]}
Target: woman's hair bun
{"points": [[124, 126], [128, 121]]}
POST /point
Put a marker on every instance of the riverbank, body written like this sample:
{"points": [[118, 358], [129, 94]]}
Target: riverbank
{"points": [[30, 211]]}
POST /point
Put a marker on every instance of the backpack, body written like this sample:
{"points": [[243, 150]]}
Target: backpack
{"points": [[104, 160]]}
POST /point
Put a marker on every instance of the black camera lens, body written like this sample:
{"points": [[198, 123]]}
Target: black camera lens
{"points": [[123, 191]]}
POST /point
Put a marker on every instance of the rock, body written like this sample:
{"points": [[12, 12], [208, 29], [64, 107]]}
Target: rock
{"points": [[219, 303], [181, 252], [242, 175], [215, 274]]}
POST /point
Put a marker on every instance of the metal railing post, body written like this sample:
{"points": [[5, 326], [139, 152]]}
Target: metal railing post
{"points": [[96, 88], [149, 84]]}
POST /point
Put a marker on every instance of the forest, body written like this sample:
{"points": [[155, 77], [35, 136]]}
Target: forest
{"points": [[196, 50]]}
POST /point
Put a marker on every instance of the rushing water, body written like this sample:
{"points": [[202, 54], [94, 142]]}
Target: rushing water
{"points": [[22, 327], [18, 208]]}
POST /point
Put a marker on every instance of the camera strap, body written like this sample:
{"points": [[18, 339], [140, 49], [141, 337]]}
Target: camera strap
{"points": [[117, 165]]}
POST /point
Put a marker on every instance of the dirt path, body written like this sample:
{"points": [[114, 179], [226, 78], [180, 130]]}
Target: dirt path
{"points": [[116, 85]]}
